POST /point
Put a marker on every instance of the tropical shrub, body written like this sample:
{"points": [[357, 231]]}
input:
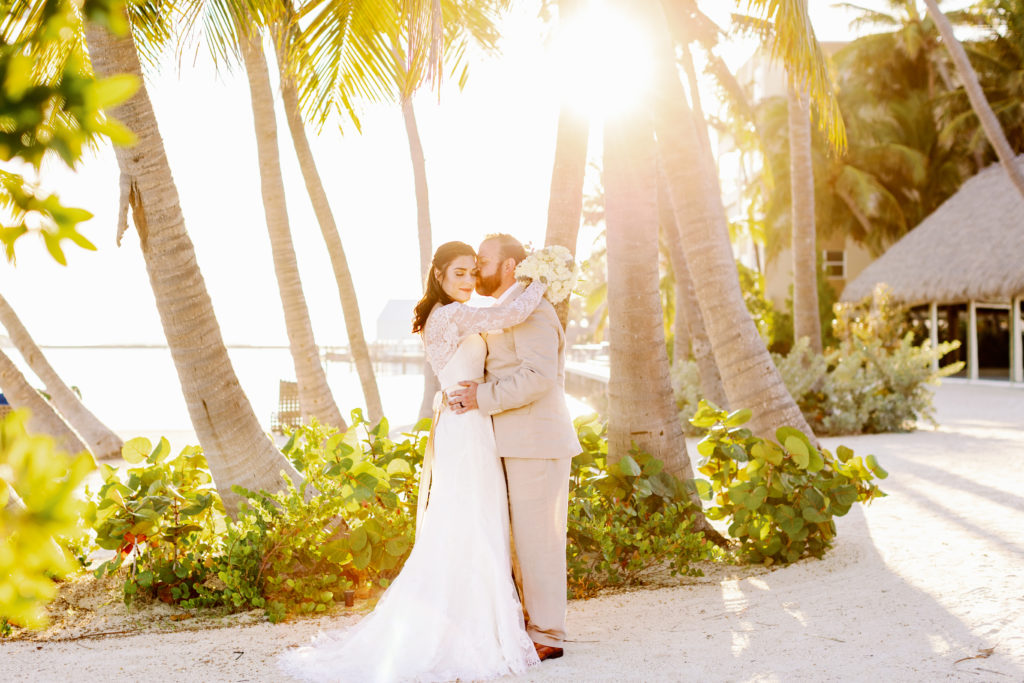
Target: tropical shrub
{"points": [[684, 376], [349, 525], [780, 498], [626, 517], [29, 556], [163, 518]]}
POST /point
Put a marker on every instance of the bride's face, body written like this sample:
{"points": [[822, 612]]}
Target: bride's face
{"points": [[459, 278]]}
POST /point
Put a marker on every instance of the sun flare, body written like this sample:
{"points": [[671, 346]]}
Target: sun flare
{"points": [[603, 60]]}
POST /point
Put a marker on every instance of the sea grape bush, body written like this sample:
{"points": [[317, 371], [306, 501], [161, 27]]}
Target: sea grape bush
{"points": [[348, 525], [875, 379], [626, 517], [780, 497]]}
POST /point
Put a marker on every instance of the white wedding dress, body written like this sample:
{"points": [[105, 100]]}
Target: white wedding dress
{"points": [[453, 611]]}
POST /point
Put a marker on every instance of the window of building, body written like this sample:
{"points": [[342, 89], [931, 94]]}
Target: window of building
{"points": [[834, 263]]}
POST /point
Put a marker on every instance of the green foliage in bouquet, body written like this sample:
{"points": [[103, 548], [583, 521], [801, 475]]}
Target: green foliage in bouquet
{"points": [[780, 497], [626, 517], [163, 518], [29, 556]]}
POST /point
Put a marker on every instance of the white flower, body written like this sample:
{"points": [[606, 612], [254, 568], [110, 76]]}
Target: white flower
{"points": [[553, 266]]}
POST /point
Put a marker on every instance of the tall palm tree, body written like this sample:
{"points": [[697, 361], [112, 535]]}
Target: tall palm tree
{"points": [[969, 79], [358, 348], [565, 202], [102, 441], [687, 307], [749, 376], [424, 233], [806, 321], [236, 447], [641, 406], [43, 418], [315, 396]]}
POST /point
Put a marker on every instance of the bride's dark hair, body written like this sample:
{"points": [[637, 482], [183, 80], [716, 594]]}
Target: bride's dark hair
{"points": [[433, 293]]}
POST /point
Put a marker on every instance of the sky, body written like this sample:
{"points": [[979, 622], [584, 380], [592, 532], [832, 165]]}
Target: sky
{"points": [[489, 152]]}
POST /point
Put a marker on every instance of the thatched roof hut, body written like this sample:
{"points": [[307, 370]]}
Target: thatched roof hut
{"points": [[970, 249]]}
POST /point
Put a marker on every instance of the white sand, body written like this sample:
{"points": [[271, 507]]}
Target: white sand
{"points": [[931, 574]]}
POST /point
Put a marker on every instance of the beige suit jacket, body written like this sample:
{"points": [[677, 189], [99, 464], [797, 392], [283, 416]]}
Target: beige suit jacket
{"points": [[524, 389]]}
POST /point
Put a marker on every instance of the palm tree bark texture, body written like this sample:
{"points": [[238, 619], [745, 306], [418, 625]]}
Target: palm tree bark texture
{"points": [[102, 441], [749, 376], [806, 320], [236, 446], [314, 395]]}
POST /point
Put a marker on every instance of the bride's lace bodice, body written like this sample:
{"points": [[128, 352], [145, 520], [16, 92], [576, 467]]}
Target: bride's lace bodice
{"points": [[448, 325]]}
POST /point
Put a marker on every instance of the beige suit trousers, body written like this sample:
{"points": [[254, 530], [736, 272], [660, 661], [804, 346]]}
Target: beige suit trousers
{"points": [[538, 493]]}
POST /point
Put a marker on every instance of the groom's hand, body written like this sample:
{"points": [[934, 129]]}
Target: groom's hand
{"points": [[462, 400]]}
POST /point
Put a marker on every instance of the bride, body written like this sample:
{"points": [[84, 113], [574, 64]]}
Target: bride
{"points": [[453, 612]]}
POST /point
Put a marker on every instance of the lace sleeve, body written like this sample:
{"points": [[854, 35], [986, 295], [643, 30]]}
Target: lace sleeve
{"points": [[473, 320]]}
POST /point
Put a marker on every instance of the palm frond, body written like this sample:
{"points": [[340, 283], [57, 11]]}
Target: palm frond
{"points": [[794, 42]]}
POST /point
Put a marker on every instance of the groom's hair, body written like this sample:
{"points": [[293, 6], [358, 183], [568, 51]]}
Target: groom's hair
{"points": [[508, 246]]}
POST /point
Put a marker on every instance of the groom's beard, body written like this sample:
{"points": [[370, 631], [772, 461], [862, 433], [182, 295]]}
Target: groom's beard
{"points": [[487, 285]]}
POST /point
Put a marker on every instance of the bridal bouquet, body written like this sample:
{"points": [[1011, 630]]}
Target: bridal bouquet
{"points": [[553, 266]]}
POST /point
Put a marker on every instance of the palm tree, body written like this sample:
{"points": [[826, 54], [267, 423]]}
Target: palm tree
{"points": [[969, 79], [749, 376], [314, 395], [43, 418], [358, 348], [806, 321], [102, 441], [687, 308], [236, 447], [565, 203], [641, 406]]}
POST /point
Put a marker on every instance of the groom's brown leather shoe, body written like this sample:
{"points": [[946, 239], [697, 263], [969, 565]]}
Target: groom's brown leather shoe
{"points": [[547, 651]]}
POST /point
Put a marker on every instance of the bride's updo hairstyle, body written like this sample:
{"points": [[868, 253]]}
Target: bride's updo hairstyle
{"points": [[433, 292]]}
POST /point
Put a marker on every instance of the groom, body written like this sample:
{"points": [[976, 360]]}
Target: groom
{"points": [[523, 391]]}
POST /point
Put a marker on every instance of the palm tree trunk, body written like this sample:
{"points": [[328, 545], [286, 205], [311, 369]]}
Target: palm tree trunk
{"points": [[102, 441], [314, 395], [43, 418], [565, 202], [750, 378], [419, 172], [329, 229], [968, 76], [236, 447], [687, 307], [641, 405], [806, 319]]}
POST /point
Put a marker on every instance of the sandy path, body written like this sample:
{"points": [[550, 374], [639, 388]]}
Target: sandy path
{"points": [[933, 573]]}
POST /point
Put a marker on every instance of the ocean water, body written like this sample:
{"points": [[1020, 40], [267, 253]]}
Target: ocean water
{"points": [[136, 391]]}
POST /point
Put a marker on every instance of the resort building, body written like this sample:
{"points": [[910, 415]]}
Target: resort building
{"points": [[961, 271]]}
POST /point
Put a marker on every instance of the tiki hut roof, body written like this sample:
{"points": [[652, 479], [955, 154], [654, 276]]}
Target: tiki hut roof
{"points": [[970, 248]]}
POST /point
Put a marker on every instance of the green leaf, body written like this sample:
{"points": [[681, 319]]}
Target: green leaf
{"points": [[136, 450], [396, 547], [798, 449], [399, 466], [110, 91], [357, 539], [629, 467], [876, 469], [738, 417], [162, 450], [815, 462], [844, 454], [812, 515]]}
